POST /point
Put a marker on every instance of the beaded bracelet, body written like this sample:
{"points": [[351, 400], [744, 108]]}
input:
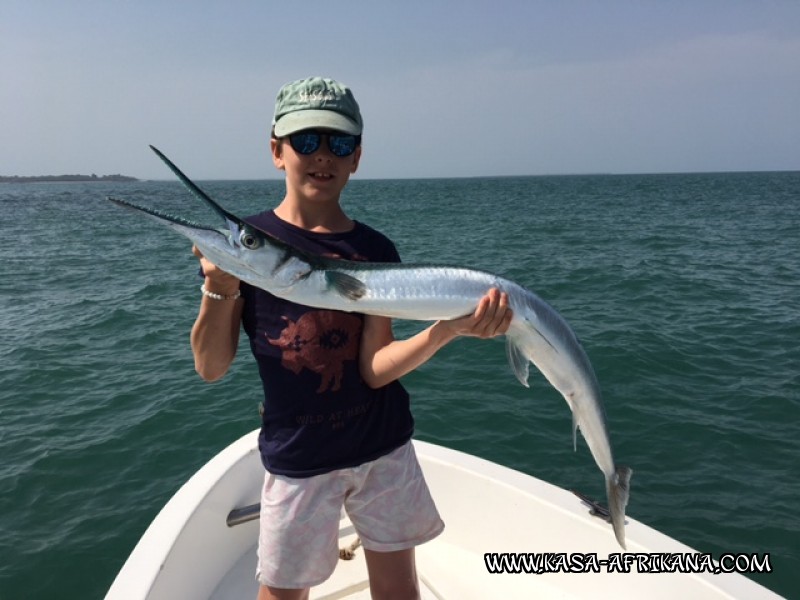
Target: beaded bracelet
{"points": [[214, 296]]}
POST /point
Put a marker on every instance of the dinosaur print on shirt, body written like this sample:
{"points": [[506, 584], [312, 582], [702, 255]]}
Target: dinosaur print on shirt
{"points": [[320, 341]]}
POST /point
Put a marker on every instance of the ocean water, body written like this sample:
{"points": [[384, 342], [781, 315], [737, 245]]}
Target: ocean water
{"points": [[684, 289]]}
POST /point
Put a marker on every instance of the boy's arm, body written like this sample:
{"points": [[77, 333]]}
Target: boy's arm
{"points": [[215, 333], [382, 359]]}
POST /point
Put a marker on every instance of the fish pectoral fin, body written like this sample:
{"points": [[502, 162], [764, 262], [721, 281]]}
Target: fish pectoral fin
{"points": [[346, 285], [518, 361]]}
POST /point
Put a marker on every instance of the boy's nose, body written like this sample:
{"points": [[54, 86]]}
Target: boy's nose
{"points": [[323, 153]]}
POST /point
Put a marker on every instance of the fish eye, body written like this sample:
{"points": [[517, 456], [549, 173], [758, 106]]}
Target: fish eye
{"points": [[249, 240]]}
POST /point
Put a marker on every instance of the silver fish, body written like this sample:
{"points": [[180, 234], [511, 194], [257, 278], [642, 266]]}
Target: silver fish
{"points": [[537, 333]]}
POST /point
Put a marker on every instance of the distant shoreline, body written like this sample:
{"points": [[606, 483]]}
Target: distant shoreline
{"points": [[64, 178]]}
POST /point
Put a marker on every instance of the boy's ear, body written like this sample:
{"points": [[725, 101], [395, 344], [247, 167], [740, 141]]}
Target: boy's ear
{"points": [[276, 147]]}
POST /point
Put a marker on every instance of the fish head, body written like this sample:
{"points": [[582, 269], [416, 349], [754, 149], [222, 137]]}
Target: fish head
{"points": [[237, 248]]}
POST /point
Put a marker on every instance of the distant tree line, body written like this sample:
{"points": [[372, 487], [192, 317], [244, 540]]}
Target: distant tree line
{"points": [[57, 178]]}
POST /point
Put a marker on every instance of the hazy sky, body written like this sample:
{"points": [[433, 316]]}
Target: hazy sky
{"points": [[447, 88]]}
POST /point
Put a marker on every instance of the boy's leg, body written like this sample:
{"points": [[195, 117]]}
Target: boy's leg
{"points": [[392, 575], [299, 531], [271, 593], [390, 504]]}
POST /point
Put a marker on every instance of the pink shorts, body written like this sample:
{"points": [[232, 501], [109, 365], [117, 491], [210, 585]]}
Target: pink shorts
{"points": [[387, 501]]}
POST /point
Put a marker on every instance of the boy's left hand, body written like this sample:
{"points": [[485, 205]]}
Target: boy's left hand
{"points": [[491, 318]]}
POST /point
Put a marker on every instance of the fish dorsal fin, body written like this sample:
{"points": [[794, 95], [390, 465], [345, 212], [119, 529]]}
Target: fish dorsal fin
{"points": [[346, 285], [518, 361]]}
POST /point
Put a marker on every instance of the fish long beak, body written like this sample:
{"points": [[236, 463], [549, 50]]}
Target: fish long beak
{"points": [[179, 224], [192, 230], [232, 220]]}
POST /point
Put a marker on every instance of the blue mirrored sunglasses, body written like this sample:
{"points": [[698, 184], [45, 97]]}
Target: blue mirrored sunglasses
{"points": [[308, 141]]}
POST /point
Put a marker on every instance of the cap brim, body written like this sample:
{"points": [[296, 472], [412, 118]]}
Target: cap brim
{"points": [[315, 119]]}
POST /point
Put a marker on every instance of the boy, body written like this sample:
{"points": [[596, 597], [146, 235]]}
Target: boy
{"points": [[337, 424]]}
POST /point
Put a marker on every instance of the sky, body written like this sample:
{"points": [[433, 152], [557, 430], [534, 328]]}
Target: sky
{"points": [[446, 88]]}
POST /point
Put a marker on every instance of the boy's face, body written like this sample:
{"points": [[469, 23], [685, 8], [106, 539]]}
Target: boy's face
{"points": [[319, 176]]}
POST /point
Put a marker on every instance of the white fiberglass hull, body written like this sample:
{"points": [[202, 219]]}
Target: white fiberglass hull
{"points": [[189, 551]]}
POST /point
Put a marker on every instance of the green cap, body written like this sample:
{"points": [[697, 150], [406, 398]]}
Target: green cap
{"points": [[316, 102]]}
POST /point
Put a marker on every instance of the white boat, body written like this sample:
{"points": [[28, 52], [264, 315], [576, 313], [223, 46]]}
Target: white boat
{"points": [[190, 551]]}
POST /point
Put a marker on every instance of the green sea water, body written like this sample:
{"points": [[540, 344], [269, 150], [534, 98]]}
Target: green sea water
{"points": [[684, 289]]}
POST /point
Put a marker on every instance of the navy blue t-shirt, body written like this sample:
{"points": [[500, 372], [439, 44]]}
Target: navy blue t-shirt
{"points": [[319, 415]]}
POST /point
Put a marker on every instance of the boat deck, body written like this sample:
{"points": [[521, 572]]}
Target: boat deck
{"points": [[440, 566]]}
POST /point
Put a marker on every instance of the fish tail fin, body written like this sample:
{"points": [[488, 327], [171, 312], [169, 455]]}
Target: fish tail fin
{"points": [[617, 491]]}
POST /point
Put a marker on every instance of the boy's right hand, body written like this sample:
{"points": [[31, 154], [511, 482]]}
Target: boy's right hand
{"points": [[217, 280]]}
